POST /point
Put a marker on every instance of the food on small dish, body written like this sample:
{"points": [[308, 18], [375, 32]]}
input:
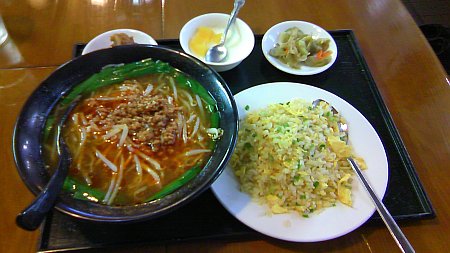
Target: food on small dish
{"points": [[240, 39], [139, 132], [104, 40], [295, 48], [119, 39], [290, 156], [203, 39]]}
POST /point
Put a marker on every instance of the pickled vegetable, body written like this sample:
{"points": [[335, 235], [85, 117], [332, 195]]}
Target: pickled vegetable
{"points": [[295, 48]]}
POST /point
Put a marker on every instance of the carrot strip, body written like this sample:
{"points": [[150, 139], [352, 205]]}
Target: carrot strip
{"points": [[321, 54], [327, 53]]}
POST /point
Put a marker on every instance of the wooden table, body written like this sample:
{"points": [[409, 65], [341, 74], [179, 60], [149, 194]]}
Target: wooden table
{"points": [[409, 76]]}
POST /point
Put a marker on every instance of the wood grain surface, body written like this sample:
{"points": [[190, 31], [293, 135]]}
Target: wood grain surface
{"points": [[412, 82]]}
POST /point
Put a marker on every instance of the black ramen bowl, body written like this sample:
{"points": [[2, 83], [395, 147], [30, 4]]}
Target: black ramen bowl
{"points": [[28, 133]]}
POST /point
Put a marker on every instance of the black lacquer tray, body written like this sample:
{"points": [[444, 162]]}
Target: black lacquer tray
{"points": [[205, 218]]}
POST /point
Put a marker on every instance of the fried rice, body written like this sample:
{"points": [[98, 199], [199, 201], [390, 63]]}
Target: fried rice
{"points": [[291, 156]]}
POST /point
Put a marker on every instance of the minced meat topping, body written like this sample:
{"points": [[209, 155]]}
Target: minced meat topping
{"points": [[151, 119]]}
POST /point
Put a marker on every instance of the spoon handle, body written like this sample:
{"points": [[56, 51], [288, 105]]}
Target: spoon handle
{"points": [[394, 229], [33, 215], [237, 6]]}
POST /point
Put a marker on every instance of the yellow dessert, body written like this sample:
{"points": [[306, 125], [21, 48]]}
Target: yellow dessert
{"points": [[203, 39]]}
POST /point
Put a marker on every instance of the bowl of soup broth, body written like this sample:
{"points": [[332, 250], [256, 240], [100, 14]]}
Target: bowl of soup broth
{"points": [[151, 129]]}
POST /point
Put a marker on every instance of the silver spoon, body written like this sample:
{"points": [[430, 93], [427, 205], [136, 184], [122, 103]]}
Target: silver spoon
{"points": [[33, 215], [218, 52], [394, 229]]}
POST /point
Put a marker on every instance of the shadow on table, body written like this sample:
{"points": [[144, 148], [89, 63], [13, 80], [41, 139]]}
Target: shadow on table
{"points": [[439, 38]]}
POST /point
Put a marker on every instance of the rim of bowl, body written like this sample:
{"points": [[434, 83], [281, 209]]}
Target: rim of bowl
{"points": [[87, 49], [67, 204], [247, 28], [298, 23]]}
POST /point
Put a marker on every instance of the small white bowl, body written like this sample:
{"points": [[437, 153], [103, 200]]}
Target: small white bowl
{"points": [[240, 41], [270, 39], [104, 40]]}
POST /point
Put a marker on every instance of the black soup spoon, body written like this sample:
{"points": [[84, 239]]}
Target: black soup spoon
{"points": [[33, 215]]}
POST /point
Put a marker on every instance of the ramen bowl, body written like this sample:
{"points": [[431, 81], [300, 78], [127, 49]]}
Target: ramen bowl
{"points": [[28, 134]]}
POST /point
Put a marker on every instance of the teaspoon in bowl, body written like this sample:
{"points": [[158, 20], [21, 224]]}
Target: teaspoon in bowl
{"points": [[394, 229], [33, 215], [218, 52]]}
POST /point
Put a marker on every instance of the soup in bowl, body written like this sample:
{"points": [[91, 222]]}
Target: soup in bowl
{"points": [[152, 128]]}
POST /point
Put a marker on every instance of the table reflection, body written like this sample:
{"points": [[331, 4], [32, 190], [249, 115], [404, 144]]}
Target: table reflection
{"points": [[9, 53], [3, 32]]}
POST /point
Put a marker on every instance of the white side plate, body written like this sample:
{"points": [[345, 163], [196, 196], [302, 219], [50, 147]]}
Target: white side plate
{"points": [[103, 40], [331, 222], [270, 39]]}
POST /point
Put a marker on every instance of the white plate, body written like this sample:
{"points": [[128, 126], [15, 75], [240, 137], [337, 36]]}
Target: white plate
{"points": [[332, 222], [103, 40], [270, 39]]}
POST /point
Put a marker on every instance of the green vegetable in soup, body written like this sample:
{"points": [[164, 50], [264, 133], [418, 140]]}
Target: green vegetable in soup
{"points": [[198, 89], [176, 184], [82, 191], [118, 73]]}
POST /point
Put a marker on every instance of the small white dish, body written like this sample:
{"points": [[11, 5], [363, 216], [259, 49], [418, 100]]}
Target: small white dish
{"points": [[270, 39], [332, 222], [104, 40], [240, 39]]}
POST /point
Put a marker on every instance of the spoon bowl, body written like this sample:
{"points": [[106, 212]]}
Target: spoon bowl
{"points": [[216, 53]]}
